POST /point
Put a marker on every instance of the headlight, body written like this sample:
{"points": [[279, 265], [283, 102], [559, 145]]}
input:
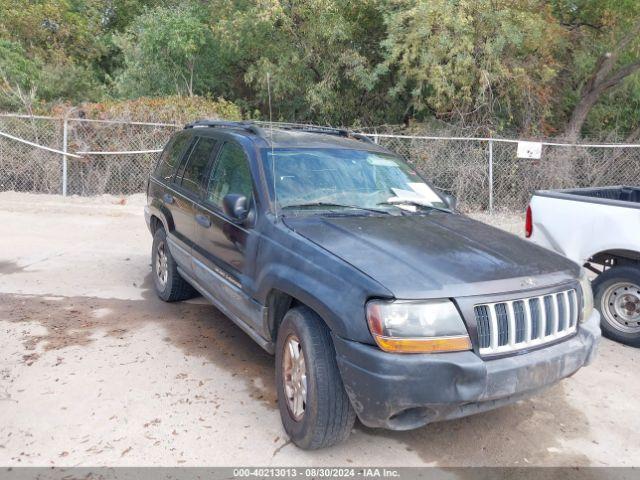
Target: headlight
{"points": [[417, 327], [587, 296]]}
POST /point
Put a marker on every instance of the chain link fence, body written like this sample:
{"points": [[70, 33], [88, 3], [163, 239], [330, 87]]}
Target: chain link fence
{"points": [[107, 164], [117, 156], [27, 168], [113, 172], [487, 175]]}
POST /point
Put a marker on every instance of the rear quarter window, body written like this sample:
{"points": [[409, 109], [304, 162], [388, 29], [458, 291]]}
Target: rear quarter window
{"points": [[171, 156]]}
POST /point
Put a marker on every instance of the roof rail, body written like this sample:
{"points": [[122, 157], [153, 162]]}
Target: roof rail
{"points": [[243, 125], [341, 132], [362, 137], [258, 128]]}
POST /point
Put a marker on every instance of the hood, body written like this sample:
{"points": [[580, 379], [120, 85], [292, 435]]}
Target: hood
{"points": [[436, 255]]}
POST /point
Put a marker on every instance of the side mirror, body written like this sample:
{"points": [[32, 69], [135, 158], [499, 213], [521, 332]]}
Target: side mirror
{"points": [[235, 206], [450, 201]]}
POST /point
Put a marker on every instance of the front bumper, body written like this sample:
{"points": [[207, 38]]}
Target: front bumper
{"points": [[405, 391]]}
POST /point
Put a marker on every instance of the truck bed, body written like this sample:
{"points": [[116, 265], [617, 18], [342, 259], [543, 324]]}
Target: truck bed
{"points": [[583, 223], [621, 195]]}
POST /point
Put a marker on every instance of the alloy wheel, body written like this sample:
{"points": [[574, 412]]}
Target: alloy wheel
{"points": [[294, 377], [162, 264]]}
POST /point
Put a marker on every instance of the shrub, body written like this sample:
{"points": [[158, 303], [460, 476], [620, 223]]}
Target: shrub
{"points": [[172, 109]]}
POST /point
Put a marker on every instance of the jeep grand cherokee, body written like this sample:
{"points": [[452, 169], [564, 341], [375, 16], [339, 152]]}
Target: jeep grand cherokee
{"points": [[377, 298]]}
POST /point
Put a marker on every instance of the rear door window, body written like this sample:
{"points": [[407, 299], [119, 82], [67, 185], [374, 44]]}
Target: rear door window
{"points": [[196, 164], [171, 155]]}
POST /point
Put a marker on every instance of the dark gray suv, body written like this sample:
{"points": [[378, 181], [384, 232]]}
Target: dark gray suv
{"points": [[376, 297]]}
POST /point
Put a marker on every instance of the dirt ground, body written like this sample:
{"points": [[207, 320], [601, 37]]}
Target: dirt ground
{"points": [[95, 370]]}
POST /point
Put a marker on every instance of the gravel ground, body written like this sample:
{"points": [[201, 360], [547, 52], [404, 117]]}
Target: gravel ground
{"points": [[95, 370], [506, 221]]}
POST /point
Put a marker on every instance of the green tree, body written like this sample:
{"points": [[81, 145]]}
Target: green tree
{"points": [[532, 66], [18, 76], [70, 41], [489, 62], [169, 50], [318, 54]]}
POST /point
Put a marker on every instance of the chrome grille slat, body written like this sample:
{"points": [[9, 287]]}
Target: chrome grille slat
{"points": [[482, 324], [563, 306], [534, 308], [493, 327], [567, 310], [528, 332], [549, 314], [556, 314], [573, 316], [503, 324], [520, 321], [525, 322], [543, 318], [511, 322]]}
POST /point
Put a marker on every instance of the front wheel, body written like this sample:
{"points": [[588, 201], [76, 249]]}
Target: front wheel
{"points": [[617, 297], [314, 406]]}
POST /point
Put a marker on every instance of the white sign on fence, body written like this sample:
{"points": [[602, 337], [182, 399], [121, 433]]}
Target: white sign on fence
{"points": [[529, 150]]}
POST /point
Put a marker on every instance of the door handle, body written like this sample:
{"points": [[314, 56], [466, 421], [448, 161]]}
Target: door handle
{"points": [[203, 220], [167, 198]]}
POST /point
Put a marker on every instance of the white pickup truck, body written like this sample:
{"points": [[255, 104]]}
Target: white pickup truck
{"points": [[600, 229]]}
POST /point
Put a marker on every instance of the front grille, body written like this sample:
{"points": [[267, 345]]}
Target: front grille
{"points": [[516, 324]]}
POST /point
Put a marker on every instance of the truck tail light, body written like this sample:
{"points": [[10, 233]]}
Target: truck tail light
{"points": [[528, 223]]}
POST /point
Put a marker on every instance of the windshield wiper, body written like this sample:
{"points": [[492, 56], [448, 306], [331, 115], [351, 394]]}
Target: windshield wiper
{"points": [[330, 204], [417, 203]]}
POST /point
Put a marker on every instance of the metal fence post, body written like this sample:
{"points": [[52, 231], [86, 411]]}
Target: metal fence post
{"points": [[65, 127], [490, 176]]}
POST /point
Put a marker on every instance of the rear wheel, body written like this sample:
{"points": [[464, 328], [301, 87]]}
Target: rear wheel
{"points": [[617, 297], [314, 406], [169, 285]]}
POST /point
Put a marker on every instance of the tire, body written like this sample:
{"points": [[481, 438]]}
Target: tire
{"points": [[328, 416], [174, 288], [617, 298]]}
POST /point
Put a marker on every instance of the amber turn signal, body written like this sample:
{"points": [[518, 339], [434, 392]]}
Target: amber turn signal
{"points": [[424, 345]]}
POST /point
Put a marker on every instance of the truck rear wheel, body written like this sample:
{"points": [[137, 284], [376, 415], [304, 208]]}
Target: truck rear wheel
{"points": [[314, 406], [617, 297]]}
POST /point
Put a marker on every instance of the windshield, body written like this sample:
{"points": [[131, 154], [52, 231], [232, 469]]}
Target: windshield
{"points": [[330, 178]]}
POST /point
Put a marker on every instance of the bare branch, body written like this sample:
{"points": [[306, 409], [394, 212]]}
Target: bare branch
{"points": [[602, 79], [620, 75]]}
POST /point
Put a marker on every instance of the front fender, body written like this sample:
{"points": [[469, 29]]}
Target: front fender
{"points": [[335, 290], [340, 311]]}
